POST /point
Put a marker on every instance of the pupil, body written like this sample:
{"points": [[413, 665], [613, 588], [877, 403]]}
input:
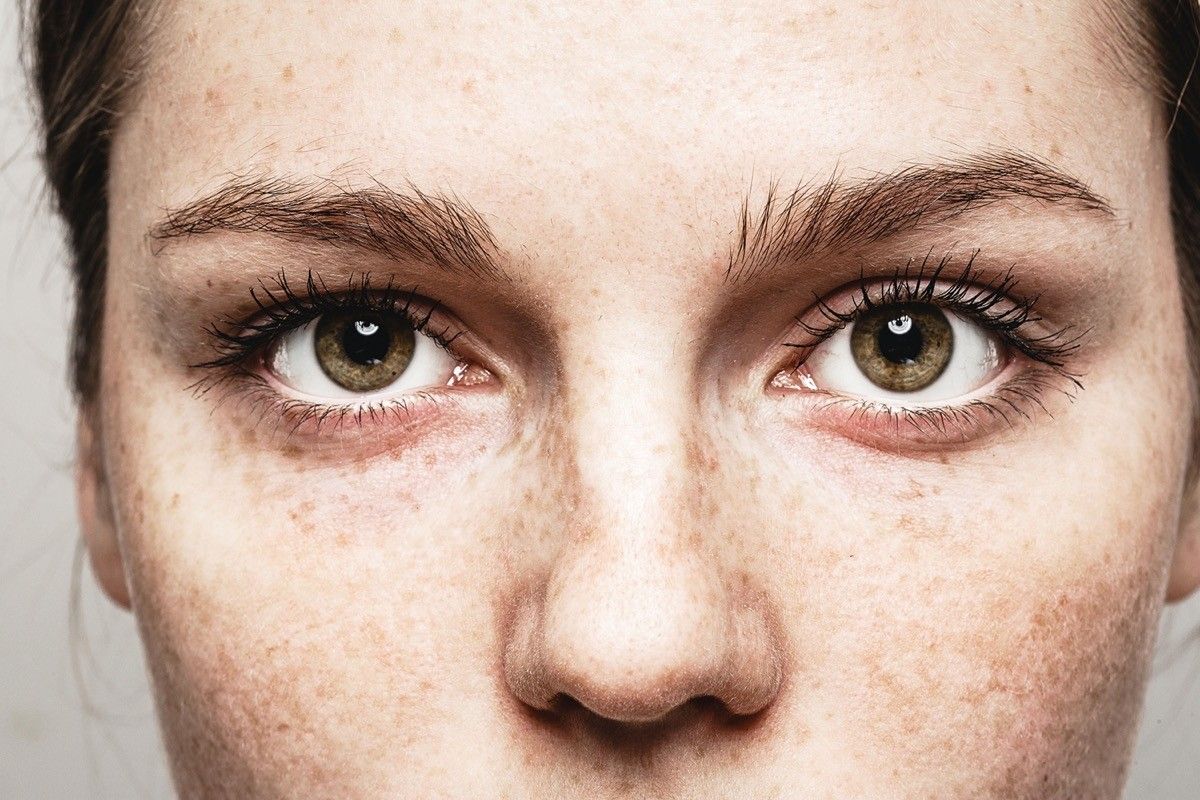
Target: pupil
{"points": [[900, 341], [366, 342]]}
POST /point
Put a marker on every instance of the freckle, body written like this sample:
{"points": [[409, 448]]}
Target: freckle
{"points": [[1055, 150], [208, 282], [1028, 89], [175, 500], [396, 36], [468, 86], [212, 97], [431, 459], [288, 72]]}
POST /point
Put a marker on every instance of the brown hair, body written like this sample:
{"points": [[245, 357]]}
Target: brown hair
{"points": [[85, 59]]}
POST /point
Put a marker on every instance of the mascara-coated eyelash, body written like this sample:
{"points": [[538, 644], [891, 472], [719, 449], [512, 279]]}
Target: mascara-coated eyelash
{"points": [[240, 373], [1036, 358], [990, 303], [282, 309]]}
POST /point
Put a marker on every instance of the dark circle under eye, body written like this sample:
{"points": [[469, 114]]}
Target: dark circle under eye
{"points": [[902, 347], [363, 352]]}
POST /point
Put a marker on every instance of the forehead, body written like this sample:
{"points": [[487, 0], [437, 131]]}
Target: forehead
{"points": [[570, 108]]}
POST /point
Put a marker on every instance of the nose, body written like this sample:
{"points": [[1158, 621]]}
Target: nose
{"points": [[638, 613], [631, 639]]}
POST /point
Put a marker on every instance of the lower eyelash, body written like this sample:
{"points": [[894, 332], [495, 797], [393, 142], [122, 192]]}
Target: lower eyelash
{"points": [[1015, 400], [291, 416]]}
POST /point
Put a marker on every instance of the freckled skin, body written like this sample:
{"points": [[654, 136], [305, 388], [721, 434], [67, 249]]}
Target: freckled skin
{"points": [[627, 569]]}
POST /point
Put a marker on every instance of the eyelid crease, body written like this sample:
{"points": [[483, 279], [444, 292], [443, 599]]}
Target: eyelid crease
{"points": [[989, 301], [282, 309]]}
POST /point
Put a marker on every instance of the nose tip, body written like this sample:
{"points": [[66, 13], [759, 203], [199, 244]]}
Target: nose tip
{"points": [[634, 655]]}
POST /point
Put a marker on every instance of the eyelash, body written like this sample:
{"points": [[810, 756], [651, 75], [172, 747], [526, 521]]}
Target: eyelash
{"points": [[992, 304], [281, 309], [989, 302]]}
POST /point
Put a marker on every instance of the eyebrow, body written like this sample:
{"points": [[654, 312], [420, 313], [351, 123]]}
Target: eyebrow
{"points": [[442, 230], [839, 215], [445, 231]]}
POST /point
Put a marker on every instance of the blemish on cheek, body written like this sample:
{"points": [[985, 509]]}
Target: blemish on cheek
{"points": [[288, 73]]}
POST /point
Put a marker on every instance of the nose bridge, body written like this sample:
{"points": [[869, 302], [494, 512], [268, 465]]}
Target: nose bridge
{"points": [[627, 431], [634, 595]]}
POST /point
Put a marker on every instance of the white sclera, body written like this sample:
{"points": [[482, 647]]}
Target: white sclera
{"points": [[973, 362], [294, 361]]}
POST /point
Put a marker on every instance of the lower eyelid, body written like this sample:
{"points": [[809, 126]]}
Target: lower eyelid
{"points": [[1019, 395]]}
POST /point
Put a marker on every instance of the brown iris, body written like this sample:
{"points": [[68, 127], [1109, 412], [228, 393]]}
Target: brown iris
{"points": [[363, 352], [902, 347]]}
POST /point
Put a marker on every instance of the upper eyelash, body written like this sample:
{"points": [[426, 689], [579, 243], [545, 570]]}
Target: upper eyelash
{"points": [[970, 293], [282, 309]]}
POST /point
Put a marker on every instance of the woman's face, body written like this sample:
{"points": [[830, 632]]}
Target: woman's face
{"points": [[645, 401]]}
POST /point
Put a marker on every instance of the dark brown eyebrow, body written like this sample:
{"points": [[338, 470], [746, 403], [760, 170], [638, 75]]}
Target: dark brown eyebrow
{"points": [[437, 229], [838, 215]]}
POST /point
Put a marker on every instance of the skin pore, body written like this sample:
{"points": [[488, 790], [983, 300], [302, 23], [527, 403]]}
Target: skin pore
{"points": [[637, 545]]}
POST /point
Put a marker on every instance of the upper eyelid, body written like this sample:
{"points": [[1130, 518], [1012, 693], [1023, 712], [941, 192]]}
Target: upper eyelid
{"points": [[286, 310], [963, 290]]}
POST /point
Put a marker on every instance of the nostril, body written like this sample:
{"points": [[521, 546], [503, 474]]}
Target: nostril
{"points": [[704, 711]]}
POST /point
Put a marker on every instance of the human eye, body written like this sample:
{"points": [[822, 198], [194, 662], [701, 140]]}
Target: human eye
{"points": [[358, 354], [322, 357], [930, 354]]}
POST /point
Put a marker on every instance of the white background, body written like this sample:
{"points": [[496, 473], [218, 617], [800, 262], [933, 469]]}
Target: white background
{"points": [[76, 718]]}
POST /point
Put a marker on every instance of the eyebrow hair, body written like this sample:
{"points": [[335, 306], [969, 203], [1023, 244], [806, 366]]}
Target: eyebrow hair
{"points": [[840, 215], [438, 229]]}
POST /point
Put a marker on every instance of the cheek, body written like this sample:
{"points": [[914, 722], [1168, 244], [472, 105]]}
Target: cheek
{"points": [[300, 645], [978, 624], [1004, 648], [292, 614]]}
